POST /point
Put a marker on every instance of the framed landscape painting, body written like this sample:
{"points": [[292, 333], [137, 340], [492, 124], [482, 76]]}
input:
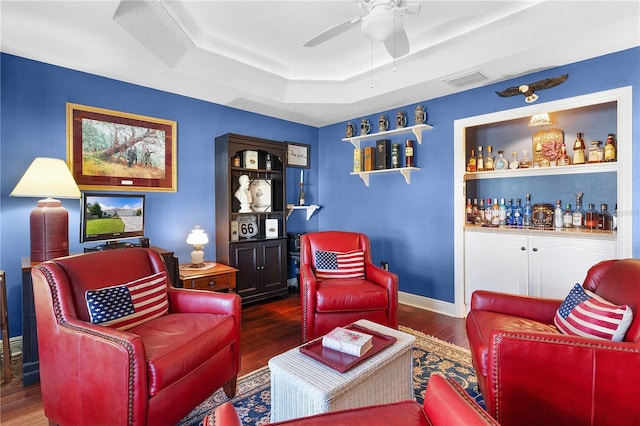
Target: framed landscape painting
{"points": [[111, 150]]}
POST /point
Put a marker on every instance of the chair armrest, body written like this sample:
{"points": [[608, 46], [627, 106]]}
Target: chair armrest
{"points": [[388, 280], [447, 403], [225, 415], [203, 301], [308, 289], [533, 308], [570, 379]]}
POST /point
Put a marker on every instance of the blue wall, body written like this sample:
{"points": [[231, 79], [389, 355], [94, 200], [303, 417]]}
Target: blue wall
{"points": [[410, 226]]}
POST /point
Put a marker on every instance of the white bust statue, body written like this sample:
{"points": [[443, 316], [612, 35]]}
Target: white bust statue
{"points": [[244, 195]]}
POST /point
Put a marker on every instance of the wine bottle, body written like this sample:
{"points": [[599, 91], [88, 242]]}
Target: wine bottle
{"points": [[527, 211]]}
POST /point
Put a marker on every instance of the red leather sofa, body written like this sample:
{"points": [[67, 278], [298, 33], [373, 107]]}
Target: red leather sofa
{"points": [[530, 374], [330, 303], [154, 373], [445, 404]]}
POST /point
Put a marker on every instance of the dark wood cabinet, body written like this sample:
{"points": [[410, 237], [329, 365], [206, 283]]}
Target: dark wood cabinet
{"points": [[30, 357], [251, 237]]}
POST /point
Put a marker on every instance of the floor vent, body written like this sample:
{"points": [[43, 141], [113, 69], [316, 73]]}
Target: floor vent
{"points": [[464, 80]]}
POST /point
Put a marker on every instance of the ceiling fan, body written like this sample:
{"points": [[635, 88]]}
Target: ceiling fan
{"points": [[382, 22]]}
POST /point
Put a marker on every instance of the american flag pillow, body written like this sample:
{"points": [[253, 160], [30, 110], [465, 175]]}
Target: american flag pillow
{"points": [[128, 305], [586, 314], [331, 264]]}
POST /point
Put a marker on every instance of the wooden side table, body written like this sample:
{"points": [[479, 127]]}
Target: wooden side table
{"points": [[217, 278]]}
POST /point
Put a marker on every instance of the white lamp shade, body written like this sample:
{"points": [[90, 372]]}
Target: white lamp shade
{"points": [[197, 237], [47, 177], [381, 23]]}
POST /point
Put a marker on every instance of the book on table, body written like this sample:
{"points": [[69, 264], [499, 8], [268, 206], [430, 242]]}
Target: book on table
{"points": [[348, 341]]}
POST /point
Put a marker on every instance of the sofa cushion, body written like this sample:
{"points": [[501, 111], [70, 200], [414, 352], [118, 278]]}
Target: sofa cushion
{"points": [[331, 264], [586, 314], [346, 295], [128, 305], [177, 344]]}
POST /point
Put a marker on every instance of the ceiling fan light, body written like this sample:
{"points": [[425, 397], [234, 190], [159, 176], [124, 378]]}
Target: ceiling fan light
{"points": [[381, 25]]}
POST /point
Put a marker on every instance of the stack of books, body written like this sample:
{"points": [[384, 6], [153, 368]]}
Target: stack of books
{"points": [[348, 341]]}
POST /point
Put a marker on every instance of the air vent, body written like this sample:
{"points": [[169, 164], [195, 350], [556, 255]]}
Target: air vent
{"points": [[464, 80]]}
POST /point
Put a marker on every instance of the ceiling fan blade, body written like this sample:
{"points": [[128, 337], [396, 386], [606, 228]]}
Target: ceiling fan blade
{"points": [[398, 44], [332, 32]]}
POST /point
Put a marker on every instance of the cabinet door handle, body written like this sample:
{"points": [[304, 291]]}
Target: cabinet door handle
{"points": [[523, 248], [535, 249], [212, 283]]}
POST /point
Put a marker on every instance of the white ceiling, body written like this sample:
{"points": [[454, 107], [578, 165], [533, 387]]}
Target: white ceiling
{"points": [[249, 54]]}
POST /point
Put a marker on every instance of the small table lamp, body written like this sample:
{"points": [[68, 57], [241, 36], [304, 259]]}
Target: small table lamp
{"points": [[49, 221], [197, 238]]}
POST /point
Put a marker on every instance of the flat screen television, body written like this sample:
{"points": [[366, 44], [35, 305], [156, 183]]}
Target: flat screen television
{"points": [[110, 218]]}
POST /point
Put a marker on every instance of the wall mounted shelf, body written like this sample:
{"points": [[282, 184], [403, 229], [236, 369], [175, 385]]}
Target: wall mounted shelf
{"points": [[405, 171], [310, 209], [416, 130]]}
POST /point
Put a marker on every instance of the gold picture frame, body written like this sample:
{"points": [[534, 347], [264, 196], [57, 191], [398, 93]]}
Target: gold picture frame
{"points": [[112, 150]]}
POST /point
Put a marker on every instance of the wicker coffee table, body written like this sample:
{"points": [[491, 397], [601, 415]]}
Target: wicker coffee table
{"points": [[302, 386]]}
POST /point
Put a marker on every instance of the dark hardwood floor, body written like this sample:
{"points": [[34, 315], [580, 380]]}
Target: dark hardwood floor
{"points": [[268, 328]]}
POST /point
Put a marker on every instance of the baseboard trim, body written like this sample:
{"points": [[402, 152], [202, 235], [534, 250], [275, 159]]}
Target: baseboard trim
{"points": [[422, 302]]}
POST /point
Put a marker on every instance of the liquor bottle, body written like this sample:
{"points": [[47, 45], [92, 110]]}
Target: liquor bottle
{"points": [[514, 164], [480, 216], [488, 212], [595, 152], [474, 210], [502, 214], [527, 211], [236, 160], [488, 161], [517, 213], [564, 159], [567, 217], [610, 149], [480, 160], [591, 217], [395, 156], [268, 162], [509, 212], [469, 211], [301, 197], [495, 212], [578, 150], [578, 213], [525, 162], [557, 215], [408, 153], [605, 220], [614, 219], [501, 163], [472, 162]]}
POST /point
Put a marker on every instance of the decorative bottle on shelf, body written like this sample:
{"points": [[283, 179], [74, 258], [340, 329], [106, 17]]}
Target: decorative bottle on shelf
{"points": [[408, 153], [567, 217], [578, 214], [236, 160], [480, 215], [610, 149], [480, 160], [395, 156], [301, 196], [578, 150], [525, 162], [564, 159], [514, 164], [591, 217], [557, 215], [268, 162], [614, 219], [488, 212], [472, 162], [527, 211], [488, 161], [605, 220], [501, 163], [517, 213], [595, 152], [469, 211], [474, 210]]}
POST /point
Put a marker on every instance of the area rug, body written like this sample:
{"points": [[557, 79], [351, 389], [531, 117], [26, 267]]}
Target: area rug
{"points": [[430, 355]]}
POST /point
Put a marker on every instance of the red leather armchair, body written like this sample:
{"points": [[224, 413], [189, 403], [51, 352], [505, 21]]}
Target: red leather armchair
{"points": [[445, 404], [154, 373], [335, 302], [530, 374]]}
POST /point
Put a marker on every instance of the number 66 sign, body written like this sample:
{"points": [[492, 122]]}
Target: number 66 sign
{"points": [[247, 226]]}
